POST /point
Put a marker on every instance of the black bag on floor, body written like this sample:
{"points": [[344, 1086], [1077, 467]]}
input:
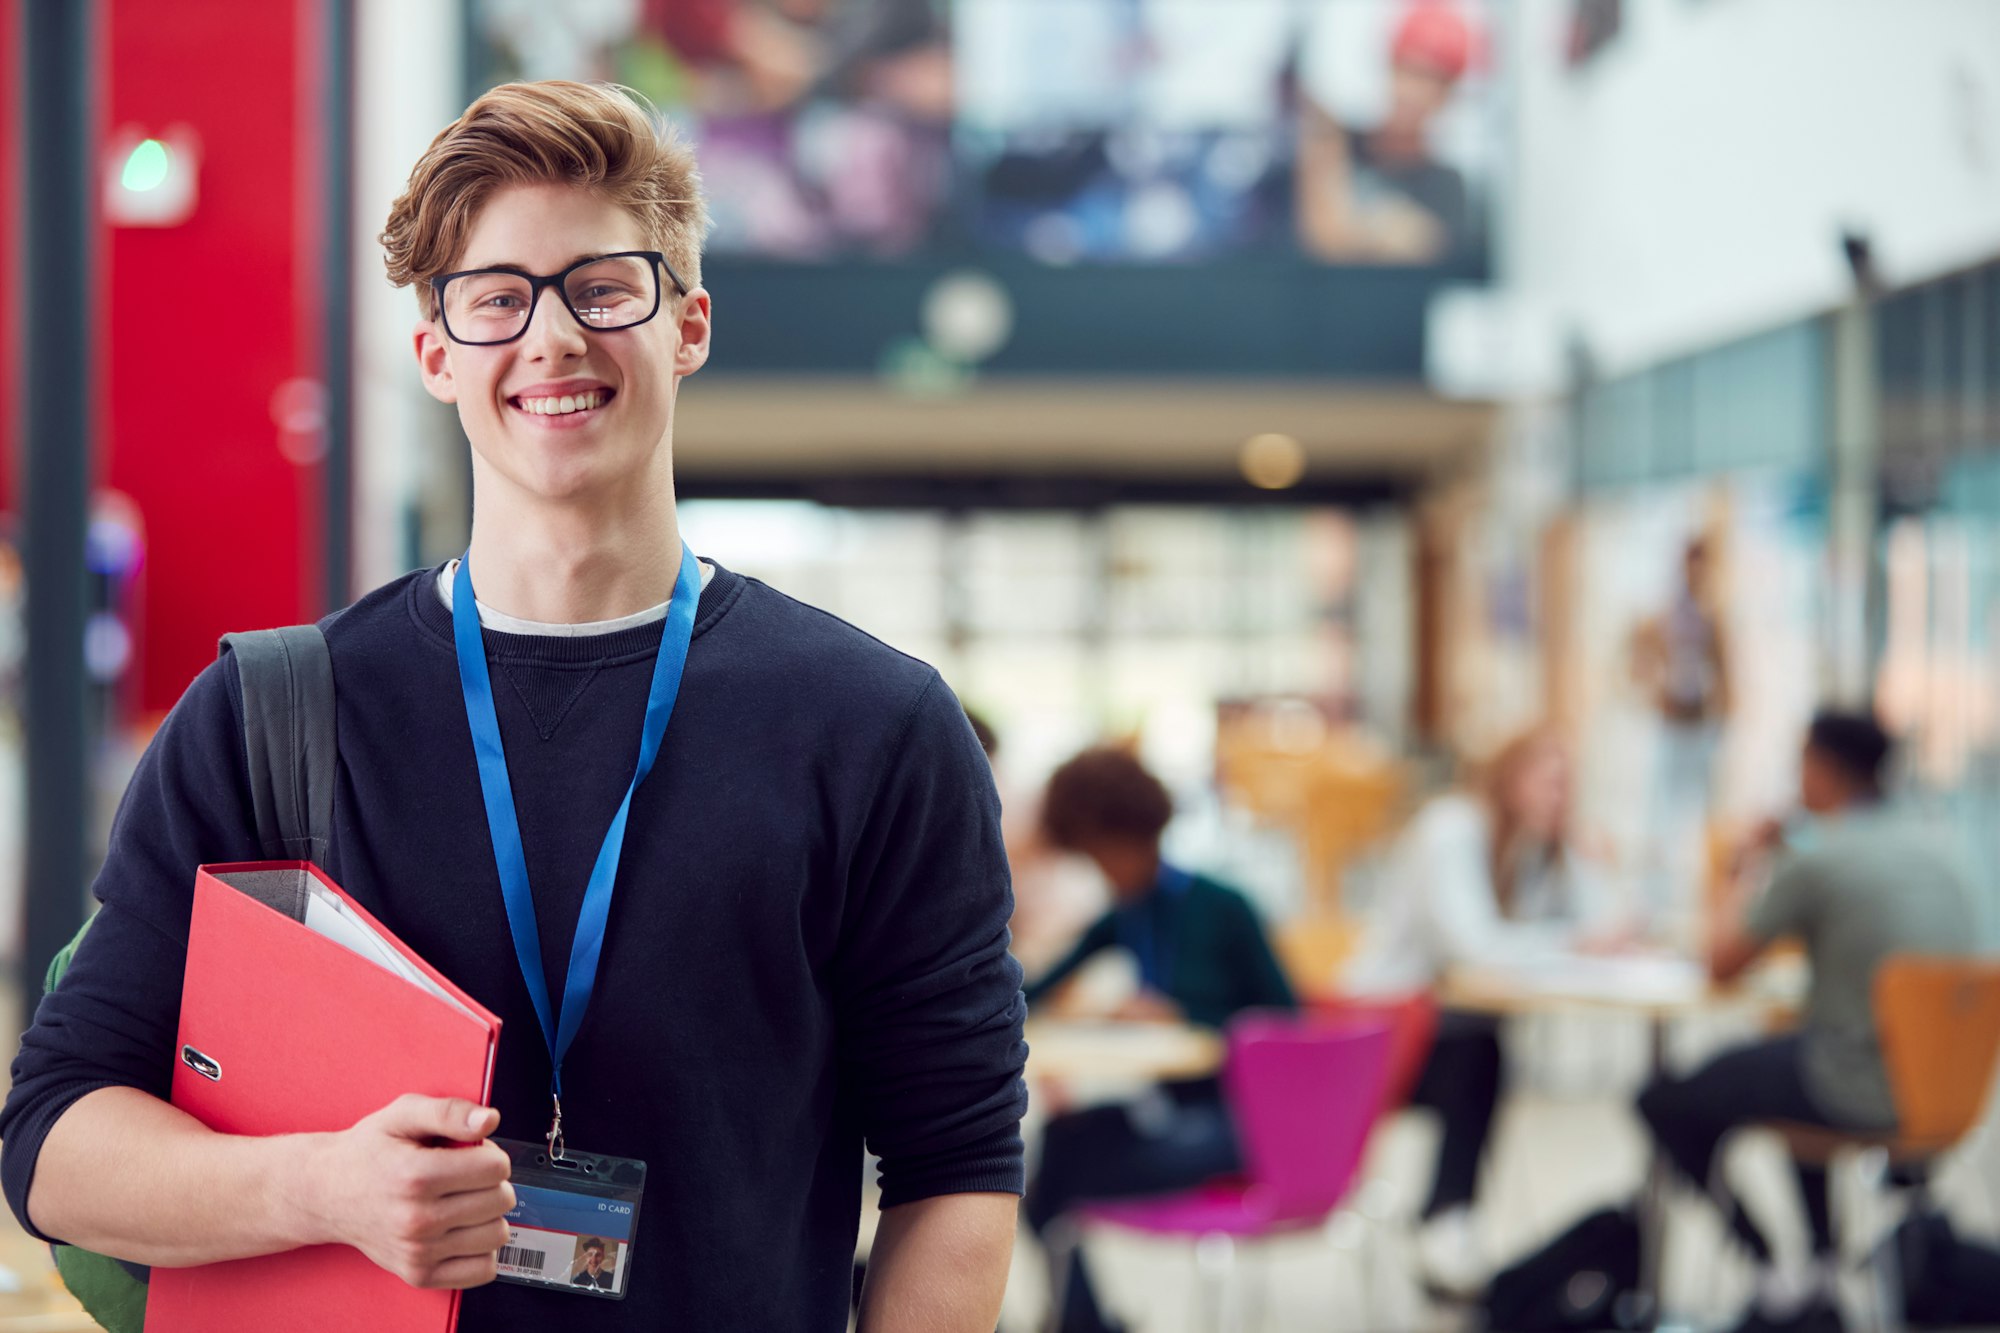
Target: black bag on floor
{"points": [[1948, 1281], [1588, 1277]]}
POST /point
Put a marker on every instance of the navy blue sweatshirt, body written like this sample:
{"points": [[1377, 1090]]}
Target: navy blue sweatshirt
{"points": [[1202, 946], [807, 946]]}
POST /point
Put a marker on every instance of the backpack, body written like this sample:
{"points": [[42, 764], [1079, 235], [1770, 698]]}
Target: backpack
{"points": [[1948, 1281], [288, 738], [1586, 1278]]}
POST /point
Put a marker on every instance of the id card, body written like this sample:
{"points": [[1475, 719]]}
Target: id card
{"points": [[574, 1220]]}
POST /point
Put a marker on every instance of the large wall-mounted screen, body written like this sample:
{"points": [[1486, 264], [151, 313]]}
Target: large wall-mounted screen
{"points": [[1062, 135]]}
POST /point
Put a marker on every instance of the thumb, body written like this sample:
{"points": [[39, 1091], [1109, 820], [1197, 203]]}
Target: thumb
{"points": [[414, 1116]]}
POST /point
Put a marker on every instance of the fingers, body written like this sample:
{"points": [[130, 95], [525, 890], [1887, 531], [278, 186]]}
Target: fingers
{"points": [[427, 1194], [464, 1257], [476, 1206], [471, 1271], [413, 1116], [438, 1172], [485, 1238]]}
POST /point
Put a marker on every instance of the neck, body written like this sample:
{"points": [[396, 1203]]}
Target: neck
{"points": [[564, 564], [1145, 876]]}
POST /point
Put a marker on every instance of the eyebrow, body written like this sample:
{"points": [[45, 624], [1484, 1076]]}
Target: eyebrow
{"points": [[509, 266]]}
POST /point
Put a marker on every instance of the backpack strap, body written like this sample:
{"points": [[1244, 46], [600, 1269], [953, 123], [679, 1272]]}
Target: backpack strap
{"points": [[288, 736], [287, 683]]}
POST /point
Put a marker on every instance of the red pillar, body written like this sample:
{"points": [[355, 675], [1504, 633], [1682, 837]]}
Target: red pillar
{"points": [[208, 320]]}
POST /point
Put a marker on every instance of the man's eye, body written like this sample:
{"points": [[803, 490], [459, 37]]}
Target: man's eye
{"points": [[602, 291], [500, 300]]}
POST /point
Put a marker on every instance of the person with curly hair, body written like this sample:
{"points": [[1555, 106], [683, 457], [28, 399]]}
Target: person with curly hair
{"points": [[1202, 956]]}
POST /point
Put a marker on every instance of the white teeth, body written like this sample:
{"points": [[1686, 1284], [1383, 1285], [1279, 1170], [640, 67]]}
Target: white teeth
{"points": [[564, 404]]}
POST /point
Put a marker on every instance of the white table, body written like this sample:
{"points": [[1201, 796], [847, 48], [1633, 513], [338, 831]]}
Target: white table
{"points": [[1068, 1050], [1659, 988]]}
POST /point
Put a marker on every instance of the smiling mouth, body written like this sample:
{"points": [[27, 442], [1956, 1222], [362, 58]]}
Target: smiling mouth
{"points": [[563, 405]]}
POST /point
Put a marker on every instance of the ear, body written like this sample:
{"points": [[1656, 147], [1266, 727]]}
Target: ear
{"points": [[434, 361], [692, 354]]}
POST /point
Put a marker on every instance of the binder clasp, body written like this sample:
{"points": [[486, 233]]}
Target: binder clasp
{"points": [[211, 1069]]}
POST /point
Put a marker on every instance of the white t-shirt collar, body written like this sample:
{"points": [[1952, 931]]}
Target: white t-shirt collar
{"points": [[506, 624]]}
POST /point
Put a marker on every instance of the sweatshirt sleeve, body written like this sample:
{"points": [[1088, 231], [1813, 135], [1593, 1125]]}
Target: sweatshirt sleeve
{"points": [[1101, 935], [112, 1019], [1263, 976], [929, 998]]}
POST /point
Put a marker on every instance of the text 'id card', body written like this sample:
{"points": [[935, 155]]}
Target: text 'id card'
{"points": [[574, 1220]]}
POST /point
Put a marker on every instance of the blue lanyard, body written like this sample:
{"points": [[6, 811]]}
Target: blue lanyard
{"points": [[506, 827]]}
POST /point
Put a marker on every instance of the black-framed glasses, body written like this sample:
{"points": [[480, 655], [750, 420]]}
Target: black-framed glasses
{"points": [[484, 306]]}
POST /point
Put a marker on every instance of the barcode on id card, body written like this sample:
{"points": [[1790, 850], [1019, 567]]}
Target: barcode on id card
{"points": [[512, 1256]]}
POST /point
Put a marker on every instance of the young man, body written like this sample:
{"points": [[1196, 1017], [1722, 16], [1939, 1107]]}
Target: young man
{"points": [[593, 1273], [1861, 887], [807, 942], [1202, 956]]}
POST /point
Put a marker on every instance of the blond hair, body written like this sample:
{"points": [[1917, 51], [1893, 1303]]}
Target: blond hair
{"points": [[1495, 783], [599, 136]]}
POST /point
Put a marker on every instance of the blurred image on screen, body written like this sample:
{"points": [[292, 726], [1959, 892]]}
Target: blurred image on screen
{"points": [[1066, 131]]}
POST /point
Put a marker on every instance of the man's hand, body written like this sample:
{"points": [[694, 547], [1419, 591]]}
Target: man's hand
{"points": [[1148, 1006], [1768, 833], [1754, 849], [1618, 937], [433, 1215], [1053, 1096]]}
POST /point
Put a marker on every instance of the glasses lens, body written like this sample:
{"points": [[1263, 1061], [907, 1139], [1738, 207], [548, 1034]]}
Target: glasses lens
{"points": [[487, 307], [614, 293]]}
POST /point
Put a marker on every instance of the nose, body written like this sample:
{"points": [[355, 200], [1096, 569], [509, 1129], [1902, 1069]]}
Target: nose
{"points": [[553, 333]]}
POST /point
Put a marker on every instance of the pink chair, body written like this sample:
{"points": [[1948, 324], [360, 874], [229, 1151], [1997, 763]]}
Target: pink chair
{"points": [[1412, 1020], [1303, 1094]]}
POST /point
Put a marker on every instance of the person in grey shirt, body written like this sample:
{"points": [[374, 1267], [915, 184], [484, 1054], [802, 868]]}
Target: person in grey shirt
{"points": [[1855, 885]]}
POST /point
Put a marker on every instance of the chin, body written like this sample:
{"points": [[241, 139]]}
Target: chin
{"points": [[555, 480], [583, 466], [570, 484]]}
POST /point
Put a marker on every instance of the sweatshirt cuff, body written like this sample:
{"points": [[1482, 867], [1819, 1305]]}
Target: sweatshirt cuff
{"points": [[995, 1165]]}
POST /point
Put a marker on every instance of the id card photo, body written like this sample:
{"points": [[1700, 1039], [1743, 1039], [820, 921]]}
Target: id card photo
{"points": [[596, 1263]]}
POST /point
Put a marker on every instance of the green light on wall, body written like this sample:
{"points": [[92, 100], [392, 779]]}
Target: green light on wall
{"points": [[148, 167]]}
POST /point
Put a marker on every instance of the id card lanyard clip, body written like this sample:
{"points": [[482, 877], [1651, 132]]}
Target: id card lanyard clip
{"points": [[559, 1026]]}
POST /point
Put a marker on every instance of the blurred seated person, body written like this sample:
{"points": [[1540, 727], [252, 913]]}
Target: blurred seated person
{"points": [[1202, 956], [1855, 883], [1055, 896], [1481, 876]]}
